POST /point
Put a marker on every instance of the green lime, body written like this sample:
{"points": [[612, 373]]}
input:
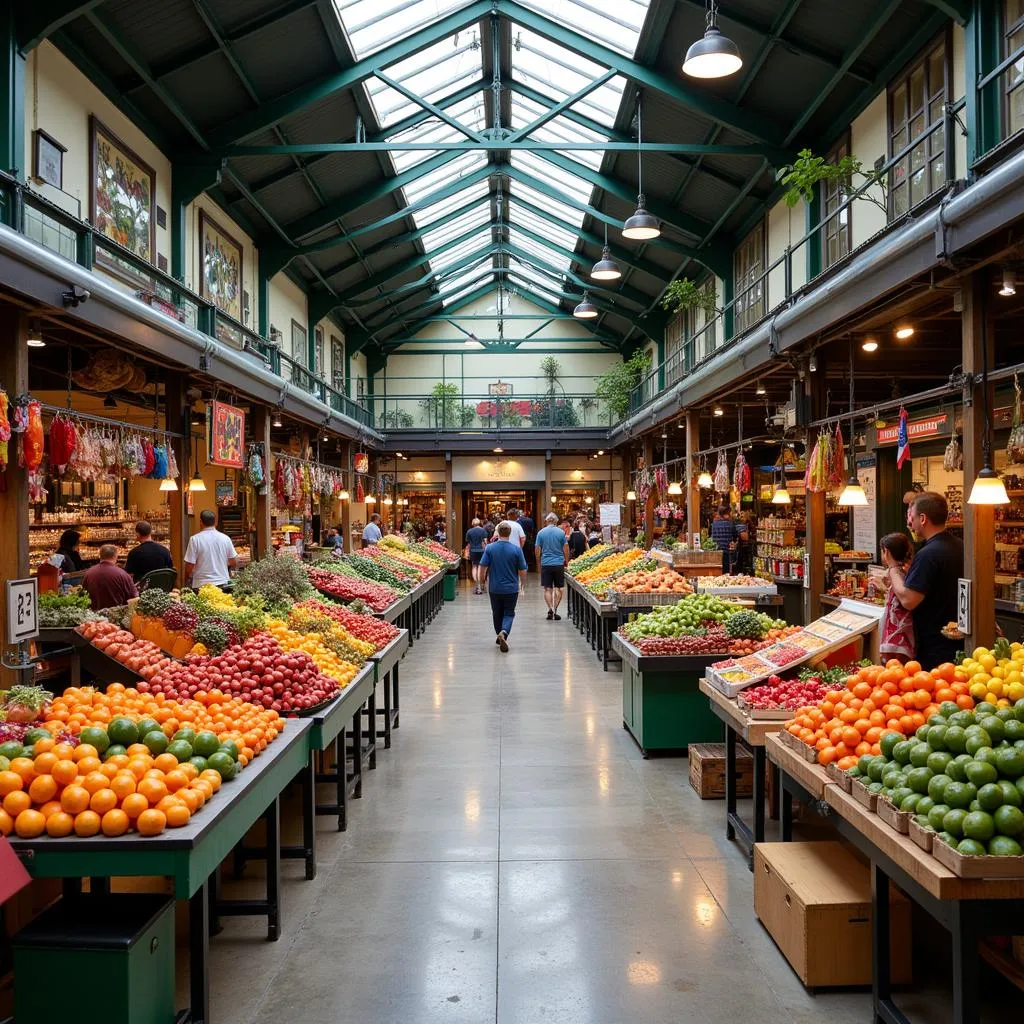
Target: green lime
{"points": [[957, 794], [1009, 820], [865, 763], [123, 731], [187, 735], [1004, 846], [1010, 762], [948, 708], [956, 739], [181, 749], [986, 754], [206, 743], [1014, 730], [956, 769], [926, 804], [980, 772], [11, 749], [974, 806], [156, 741], [888, 741], [962, 718], [901, 752], [918, 779], [5, 763], [971, 848], [114, 750], [875, 769], [922, 734], [953, 821], [1011, 794], [230, 748], [1004, 715], [937, 736], [936, 814], [854, 772], [976, 740], [900, 793], [948, 838], [911, 801], [979, 825], [1018, 710], [146, 726], [33, 736], [199, 762], [875, 787], [922, 820], [994, 727], [29, 752], [937, 787], [222, 763], [1020, 786], [919, 754], [990, 797], [937, 760], [95, 737]]}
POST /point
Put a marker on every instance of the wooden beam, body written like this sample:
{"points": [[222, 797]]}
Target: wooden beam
{"points": [[650, 502], [178, 421], [692, 490], [261, 513]]}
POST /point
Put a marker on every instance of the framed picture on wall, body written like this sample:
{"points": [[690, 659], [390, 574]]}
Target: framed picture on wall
{"points": [[220, 257], [122, 190], [48, 159], [227, 435]]}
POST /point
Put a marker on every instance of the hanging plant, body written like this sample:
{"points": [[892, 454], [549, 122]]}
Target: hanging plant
{"points": [[683, 295], [802, 176]]}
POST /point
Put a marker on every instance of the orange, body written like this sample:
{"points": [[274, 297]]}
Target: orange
{"points": [[64, 751], [175, 780], [154, 773], [152, 789], [42, 788], [75, 799], [85, 750], [60, 824], [44, 745], [165, 762], [9, 782], [911, 667], [44, 763], [88, 764], [138, 766], [177, 816], [115, 822], [103, 800], [204, 789], [87, 823], [123, 784], [25, 768], [29, 824], [151, 823], [134, 804], [94, 781], [6, 823], [190, 770], [168, 802], [211, 777], [191, 798], [50, 807], [138, 750], [119, 761], [17, 801], [64, 771], [109, 769]]}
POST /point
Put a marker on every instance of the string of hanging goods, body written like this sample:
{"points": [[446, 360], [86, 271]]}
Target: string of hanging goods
{"points": [[299, 480]]}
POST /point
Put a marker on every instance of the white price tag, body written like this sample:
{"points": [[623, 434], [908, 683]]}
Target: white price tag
{"points": [[22, 612], [963, 605]]}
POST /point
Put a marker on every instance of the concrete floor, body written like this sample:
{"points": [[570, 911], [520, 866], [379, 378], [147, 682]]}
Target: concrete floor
{"points": [[515, 860]]}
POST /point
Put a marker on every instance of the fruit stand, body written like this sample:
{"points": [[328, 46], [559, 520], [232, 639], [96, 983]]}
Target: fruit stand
{"points": [[596, 620]]}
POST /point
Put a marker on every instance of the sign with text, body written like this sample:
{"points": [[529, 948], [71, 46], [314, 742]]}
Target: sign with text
{"points": [[22, 610], [938, 425], [611, 515], [963, 605], [467, 469]]}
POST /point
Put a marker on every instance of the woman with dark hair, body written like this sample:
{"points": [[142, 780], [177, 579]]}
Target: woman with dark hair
{"points": [[897, 629], [68, 547]]}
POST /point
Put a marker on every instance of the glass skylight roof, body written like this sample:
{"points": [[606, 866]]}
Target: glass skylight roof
{"points": [[373, 24]]}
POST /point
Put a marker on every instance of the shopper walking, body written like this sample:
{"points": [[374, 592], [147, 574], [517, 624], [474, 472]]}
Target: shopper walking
{"points": [[518, 533], [723, 533], [552, 553], [210, 555], [577, 540], [476, 541], [372, 532], [503, 566], [530, 532], [106, 583], [147, 555], [930, 587]]}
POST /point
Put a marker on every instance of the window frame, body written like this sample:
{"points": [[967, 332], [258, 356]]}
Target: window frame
{"points": [[920, 60], [1005, 31], [337, 364], [837, 195], [757, 308], [300, 362]]}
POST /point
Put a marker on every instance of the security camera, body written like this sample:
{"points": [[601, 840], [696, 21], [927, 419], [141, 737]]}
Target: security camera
{"points": [[75, 296]]}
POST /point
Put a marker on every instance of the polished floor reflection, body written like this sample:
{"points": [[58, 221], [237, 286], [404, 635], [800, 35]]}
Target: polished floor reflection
{"points": [[514, 860]]}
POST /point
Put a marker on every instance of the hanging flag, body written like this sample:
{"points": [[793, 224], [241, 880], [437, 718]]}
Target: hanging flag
{"points": [[902, 441]]}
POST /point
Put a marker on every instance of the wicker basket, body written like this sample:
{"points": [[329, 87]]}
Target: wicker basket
{"points": [[643, 600]]}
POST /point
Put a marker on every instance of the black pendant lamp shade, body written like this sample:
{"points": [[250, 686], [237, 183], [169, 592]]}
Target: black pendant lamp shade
{"points": [[714, 55]]}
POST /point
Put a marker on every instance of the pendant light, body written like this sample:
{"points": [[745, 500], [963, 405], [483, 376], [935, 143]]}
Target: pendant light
{"points": [[641, 226], [988, 488], [606, 269], [585, 310], [34, 337], [853, 493], [714, 55], [630, 495], [197, 484], [1009, 285], [781, 495], [168, 484], [675, 487], [371, 499], [344, 496], [704, 480], [276, 422]]}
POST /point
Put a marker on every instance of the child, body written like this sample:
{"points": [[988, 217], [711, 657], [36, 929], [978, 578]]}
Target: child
{"points": [[897, 640]]}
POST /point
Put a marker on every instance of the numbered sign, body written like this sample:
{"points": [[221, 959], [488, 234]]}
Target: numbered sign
{"points": [[963, 605], [22, 614]]}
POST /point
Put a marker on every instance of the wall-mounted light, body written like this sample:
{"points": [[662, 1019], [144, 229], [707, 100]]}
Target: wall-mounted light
{"points": [[589, 500], [1009, 286], [371, 499], [760, 390], [498, 451], [904, 331], [869, 344]]}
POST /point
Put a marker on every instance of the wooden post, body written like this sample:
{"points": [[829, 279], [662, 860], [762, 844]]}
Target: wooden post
{"points": [[692, 490], [178, 419], [261, 513], [979, 520], [547, 489], [14, 560], [449, 504], [346, 506], [651, 498]]}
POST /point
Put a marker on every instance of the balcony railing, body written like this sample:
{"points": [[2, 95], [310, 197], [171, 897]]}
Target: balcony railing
{"points": [[55, 229]]}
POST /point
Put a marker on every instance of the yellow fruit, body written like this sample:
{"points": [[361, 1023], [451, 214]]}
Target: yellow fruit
{"points": [[998, 672], [1002, 703], [987, 662], [1015, 691], [978, 691], [978, 653], [992, 699], [995, 686]]}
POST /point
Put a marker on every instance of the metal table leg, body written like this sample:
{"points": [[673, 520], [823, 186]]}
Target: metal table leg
{"points": [[730, 783], [356, 775], [966, 966], [340, 779], [881, 982], [394, 693], [786, 823], [385, 733], [198, 955], [370, 750]]}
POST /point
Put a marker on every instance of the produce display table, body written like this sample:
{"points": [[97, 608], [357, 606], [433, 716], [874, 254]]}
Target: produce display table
{"points": [[968, 908], [97, 665], [752, 733], [397, 610], [386, 662], [58, 643], [797, 777], [426, 600], [662, 706], [596, 620], [190, 856]]}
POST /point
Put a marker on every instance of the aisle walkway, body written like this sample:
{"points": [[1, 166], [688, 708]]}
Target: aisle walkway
{"points": [[515, 860]]}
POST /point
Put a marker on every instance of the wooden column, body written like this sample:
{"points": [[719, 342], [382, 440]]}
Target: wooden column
{"points": [[547, 491], [692, 490], [814, 524], [449, 505], [179, 421], [979, 520], [346, 506], [652, 496], [14, 562], [261, 417]]}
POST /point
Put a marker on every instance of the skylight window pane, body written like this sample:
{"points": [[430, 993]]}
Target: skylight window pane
{"points": [[449, 229], [453, 255], [525, 219], [374, 24], [617, 25], [542, 252], [459, 167], [565, 182], [469, 112]]}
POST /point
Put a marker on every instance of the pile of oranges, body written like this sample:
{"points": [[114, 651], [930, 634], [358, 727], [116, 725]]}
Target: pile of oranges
{"points": [[65, 789], [877, 699], [250, 727]]}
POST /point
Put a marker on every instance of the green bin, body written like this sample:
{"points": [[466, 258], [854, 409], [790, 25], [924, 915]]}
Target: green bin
{"points": [[118, 947], [450, 584]]}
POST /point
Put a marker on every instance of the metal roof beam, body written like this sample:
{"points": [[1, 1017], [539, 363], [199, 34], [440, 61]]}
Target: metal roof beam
{"points": [[430, 108], [37, 21], [959, 10], [559, 108], [484, 144]]}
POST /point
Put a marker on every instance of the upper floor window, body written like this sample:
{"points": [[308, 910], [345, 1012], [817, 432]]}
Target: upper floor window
{"points": [[1013, 79], [916, 100], [747, 270], [337, 364], [318, 354], [299, 353], [836, 240], [675, 335]]}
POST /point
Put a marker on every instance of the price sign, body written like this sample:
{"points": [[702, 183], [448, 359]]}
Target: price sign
{"points": [[807, 571], [611, 515], [22, 613], [963, 605]]}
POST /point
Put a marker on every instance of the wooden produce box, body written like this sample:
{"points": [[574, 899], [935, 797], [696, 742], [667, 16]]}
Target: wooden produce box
{"points": [[815, 901], [707, 770]]}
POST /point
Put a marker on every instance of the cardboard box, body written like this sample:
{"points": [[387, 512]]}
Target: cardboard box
{"points": [[707, 770], [815, 901]]}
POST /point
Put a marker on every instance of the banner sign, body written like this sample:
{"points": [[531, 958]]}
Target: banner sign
{"points": [[361, 462], [939, 425], [227, 435]]}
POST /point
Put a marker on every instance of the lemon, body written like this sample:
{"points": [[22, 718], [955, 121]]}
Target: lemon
{"points": [[981, 677], [977, 653], [998, 672], [978, 691], [987, 662], [995, 686], [1015, 690], [992, 699], [1002, 703]]}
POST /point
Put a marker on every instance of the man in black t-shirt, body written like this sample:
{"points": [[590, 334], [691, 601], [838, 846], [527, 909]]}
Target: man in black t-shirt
{"points": [[147, 555], [930, 588]]}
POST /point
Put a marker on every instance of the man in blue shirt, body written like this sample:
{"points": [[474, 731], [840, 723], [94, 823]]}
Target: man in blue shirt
{"points": [[724, 534], [503, 568], [476, 541], [552, 551]]}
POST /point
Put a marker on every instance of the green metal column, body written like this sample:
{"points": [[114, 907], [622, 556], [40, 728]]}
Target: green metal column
{"points": [[728, 294], [981, 54], [263, 294], [660, 349], [188, 182], [12, 101], [812, 216]]}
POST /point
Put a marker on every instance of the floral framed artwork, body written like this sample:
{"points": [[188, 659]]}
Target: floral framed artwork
{"points": [[227, 435], [220, 259], [123, 189]]}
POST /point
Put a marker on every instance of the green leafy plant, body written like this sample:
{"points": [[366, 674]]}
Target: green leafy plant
{"points": [[508, 414], [395, 418], [684, 295], [616, 385], [279, 581], [808, 170], [551, 368], [466, 414], [442, 407]]}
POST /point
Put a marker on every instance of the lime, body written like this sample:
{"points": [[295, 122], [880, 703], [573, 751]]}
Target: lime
{"points": [[980, 772], [222, 763], [206, 743], [156, 741], [888, 741], [854, 772], [1004, 715], [925, 805], [971, 848], [985, 754], [901, 752], [1004, 846], [123, 731], [937, 787], [922, 820], [994, 727], [922, 734], [1020, 786], [114, 750], [199, 762], [948, 838], [956, 769], [95, 737], [956, 739], [864, 763], [900, 793], [10, 750], [976, 740], [186, 734], [1009, 821], [936, 815], [1010, 762], [948, 708], [937, 736], [181, 749], [962, 719], [1018, 710], [919, 754], [979, 825], [957, 794], [990, 797], [953, 821], [146, 726], [33, 736], [918, 779], [911, 801], [875, 787], [974, 806], [937, 760], [230, 748], [875, 769], [1011, 794], [5, 763]]}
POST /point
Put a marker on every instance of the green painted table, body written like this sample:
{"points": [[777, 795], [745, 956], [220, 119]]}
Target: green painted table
{"points": [[662, 706], [190, 856], [386, 662]]}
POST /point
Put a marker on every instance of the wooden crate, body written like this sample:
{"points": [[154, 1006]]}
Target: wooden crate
{"points": [[815, 901], [707, 770]]}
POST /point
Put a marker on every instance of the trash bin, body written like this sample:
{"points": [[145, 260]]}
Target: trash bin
{"points": [[450, 582], [119, 946]]}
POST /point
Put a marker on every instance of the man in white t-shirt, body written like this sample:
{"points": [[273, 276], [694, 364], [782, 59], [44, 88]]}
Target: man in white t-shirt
{"points": [[372, 532], [518, 533], [210, 555]]}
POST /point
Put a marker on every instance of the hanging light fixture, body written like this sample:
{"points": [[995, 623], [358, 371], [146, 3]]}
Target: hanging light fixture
{"points": [[760, 390], [344, 496], [641, 226], [276, 421], [168, 484], [371, 499], [988, 488], [388, 501], [675, 487], [197, 484], [704, 480], [781, 495], [1009, 286], [869, 344], [853, 493], [606, 269], [35, 335], [631, 495], [717, 411], [585, 310], [498, 451], [904, 331], [589, 500], [714, 55]]}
